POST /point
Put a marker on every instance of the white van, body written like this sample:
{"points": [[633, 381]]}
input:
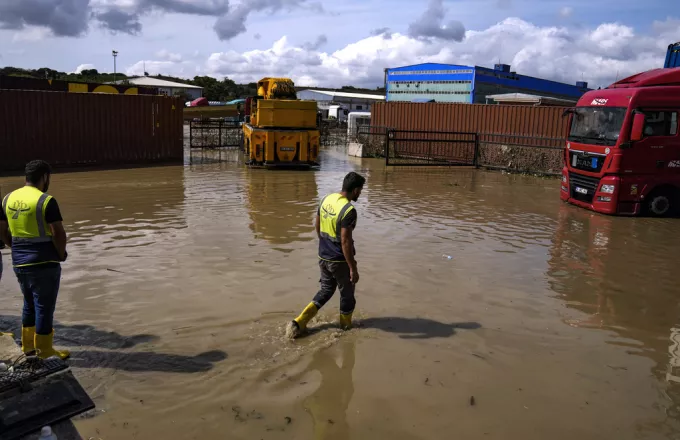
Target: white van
{"points": [[355, 120]]}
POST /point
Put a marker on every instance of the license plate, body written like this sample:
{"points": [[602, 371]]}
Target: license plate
{"points": [[578, 189], [287, 149]]}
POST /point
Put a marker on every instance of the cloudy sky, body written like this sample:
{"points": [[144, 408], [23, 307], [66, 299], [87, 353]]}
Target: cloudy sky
{"points": [[335, 43]]}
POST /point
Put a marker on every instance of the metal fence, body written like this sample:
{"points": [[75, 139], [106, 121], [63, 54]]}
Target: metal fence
{"points": [[431, 148], [211, 133], [513, 138], [373, 140]]}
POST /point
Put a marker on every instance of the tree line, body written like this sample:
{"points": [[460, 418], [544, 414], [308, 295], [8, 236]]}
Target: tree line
{"points": [[213, 89]]}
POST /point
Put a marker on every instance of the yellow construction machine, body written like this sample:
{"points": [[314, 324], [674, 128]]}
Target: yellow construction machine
{"points": [[280, 130]]}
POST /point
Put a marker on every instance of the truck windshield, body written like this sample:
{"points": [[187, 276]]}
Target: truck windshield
{"points": [[597, 125]]}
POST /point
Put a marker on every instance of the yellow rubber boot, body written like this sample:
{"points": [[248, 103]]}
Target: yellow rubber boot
{"points": [[299, 324], [346, 321], [28, 339], [43, 343]]}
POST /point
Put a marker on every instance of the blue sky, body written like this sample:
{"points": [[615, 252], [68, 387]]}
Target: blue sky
{"points": [[332, 43]]}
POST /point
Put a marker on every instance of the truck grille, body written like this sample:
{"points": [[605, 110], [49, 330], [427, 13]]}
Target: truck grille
{"points": [[587, 183]]}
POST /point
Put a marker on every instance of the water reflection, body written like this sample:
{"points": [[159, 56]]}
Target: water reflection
{"points": [[116, 207], [281, 205], [328, 404], [620, 273]]}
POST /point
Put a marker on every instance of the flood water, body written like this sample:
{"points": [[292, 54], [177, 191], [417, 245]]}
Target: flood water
{"points": [[547, 321]]}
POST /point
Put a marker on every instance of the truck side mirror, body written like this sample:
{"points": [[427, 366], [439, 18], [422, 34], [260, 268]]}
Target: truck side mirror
{"points": [[637, 133]]}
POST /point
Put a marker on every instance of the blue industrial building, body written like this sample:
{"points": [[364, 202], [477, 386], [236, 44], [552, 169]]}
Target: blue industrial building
{"points": [[471, 84]]}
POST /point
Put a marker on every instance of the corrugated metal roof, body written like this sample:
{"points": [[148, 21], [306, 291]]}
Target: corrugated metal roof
{"points": [[526, 97], [346, 94], [155, 82]]}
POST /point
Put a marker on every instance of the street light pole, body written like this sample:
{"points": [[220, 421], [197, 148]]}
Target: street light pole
{"points": [[115, 54]]}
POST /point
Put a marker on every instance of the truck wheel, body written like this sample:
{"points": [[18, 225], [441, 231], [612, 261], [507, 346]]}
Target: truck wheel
{"points": [[662, 204]]}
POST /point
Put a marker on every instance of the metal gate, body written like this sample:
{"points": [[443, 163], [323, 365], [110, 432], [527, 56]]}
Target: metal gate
{"points": [[431, 148], [215, 133]]}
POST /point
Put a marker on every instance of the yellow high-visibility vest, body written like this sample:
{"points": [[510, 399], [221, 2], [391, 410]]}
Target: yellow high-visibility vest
{"points": [[332, 211], [25, 212]]}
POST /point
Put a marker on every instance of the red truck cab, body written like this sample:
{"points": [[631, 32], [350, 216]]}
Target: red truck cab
{"points": [[623, 148]]}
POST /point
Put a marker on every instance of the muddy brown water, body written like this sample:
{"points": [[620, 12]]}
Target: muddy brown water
{"points": [[560, 323]]}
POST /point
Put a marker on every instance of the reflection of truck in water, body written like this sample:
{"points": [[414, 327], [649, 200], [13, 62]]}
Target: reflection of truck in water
{"points": [[281, 130], [623, 147], [295, 196], [594, 267]]}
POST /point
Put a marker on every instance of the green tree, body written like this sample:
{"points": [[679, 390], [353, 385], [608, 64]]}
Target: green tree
{"points": [[212, 89]]}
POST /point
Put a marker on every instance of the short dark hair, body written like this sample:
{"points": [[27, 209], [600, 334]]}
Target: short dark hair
{"points": [[353, 181], [36, 169]]}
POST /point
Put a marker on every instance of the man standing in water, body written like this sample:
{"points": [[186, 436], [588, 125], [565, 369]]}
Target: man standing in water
{"points": [[31, 223], [335, 222]]}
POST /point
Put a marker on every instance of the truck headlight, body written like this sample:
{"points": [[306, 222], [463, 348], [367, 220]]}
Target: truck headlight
{"points": [[564, 178], [608, 189]]}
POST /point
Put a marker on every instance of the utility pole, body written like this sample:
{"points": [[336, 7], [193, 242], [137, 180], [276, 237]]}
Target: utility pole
{"points": [[115, 54]]}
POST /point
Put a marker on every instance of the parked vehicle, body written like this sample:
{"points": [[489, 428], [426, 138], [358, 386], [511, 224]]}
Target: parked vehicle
{"points": [[281, 130], [622, 153]]}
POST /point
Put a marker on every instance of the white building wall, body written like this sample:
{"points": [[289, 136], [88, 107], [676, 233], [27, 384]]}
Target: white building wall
{"points": [[354, 104]]}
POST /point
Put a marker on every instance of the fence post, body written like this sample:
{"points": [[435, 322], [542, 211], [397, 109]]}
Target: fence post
{"points": [[387, 146], [475, 161], [191, 134]]}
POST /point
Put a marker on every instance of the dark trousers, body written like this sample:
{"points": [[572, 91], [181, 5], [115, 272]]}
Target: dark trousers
{"points": [[40, 286], [335, 275]]}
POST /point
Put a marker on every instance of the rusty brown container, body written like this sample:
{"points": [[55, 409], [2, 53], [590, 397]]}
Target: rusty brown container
{"points": [[88, 129], [478, 118]]}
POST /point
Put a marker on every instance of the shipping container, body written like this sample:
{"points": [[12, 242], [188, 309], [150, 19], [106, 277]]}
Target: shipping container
{"points": [[520, 138], [546, 122], [88, 129], [23, 83]]}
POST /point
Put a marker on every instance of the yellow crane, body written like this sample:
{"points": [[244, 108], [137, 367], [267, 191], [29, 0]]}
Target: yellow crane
{"points": [[282, 130]]}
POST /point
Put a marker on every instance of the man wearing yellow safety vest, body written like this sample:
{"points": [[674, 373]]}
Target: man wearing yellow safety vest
{"points": [[31, 224], [336, 219]]}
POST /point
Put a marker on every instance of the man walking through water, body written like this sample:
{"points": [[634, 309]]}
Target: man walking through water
{"points": [[336, 219], [31, 224]]}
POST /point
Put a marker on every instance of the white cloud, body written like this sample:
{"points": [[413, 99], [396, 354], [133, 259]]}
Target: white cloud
{"points": [[31, 34], [598, 55], [155, 68], [82, 67], [165, 55], [558, 53], [671, 26], [566, 11]]}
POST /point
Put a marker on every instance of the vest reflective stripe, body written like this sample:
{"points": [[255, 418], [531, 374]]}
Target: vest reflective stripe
{"points": [[40, 215], [31, 240], [4, 204], [29, 228], [332, 213]]}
